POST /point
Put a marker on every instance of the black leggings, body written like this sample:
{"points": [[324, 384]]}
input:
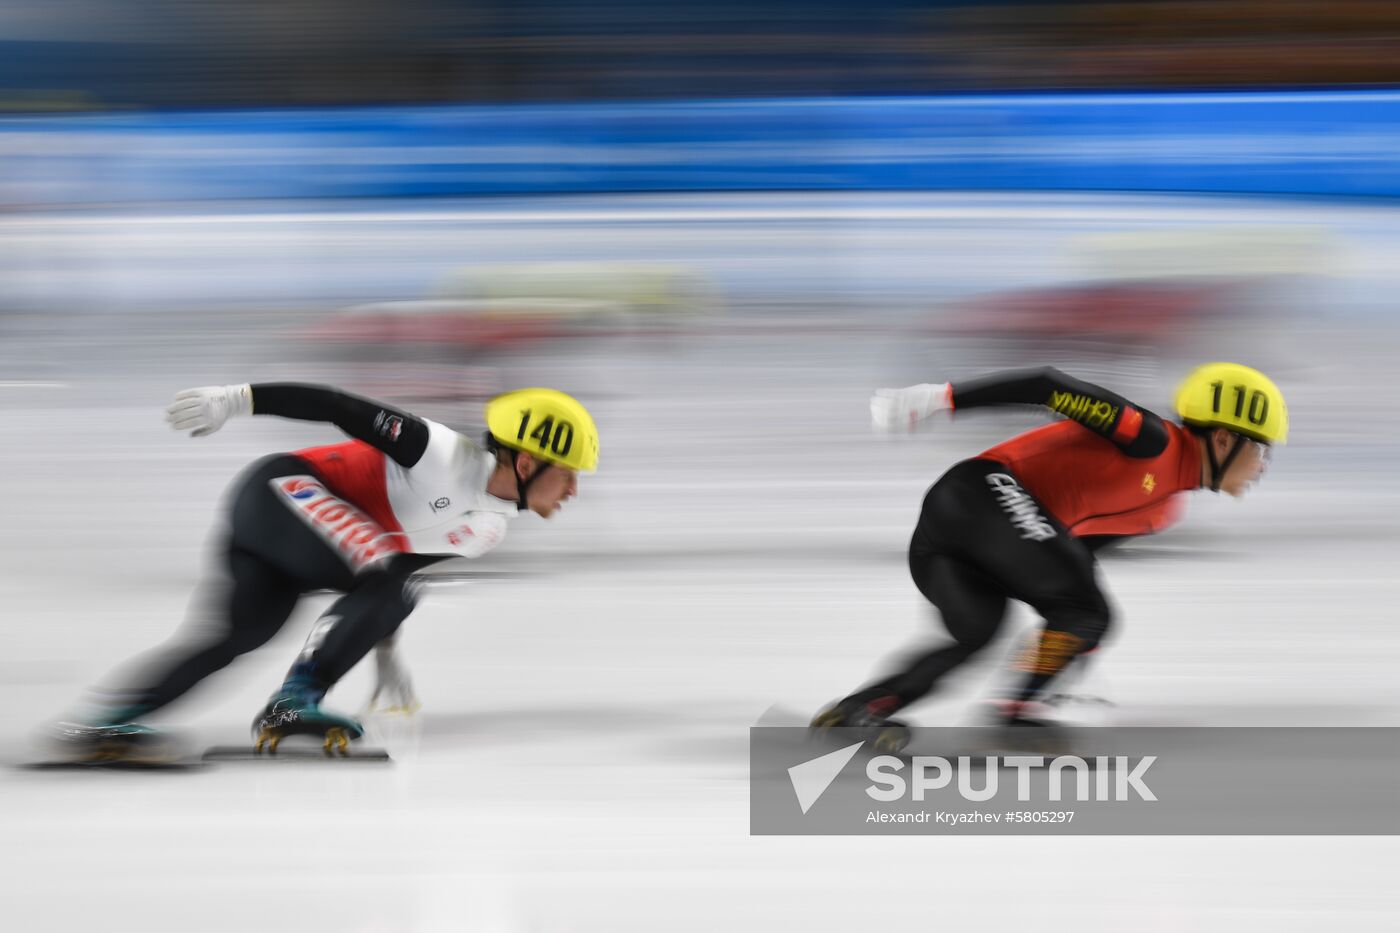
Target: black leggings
{"points": [[271, 558], [981, 540]]}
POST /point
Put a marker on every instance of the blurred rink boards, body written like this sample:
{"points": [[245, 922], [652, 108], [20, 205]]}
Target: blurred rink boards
{"points": [[965, 217], [1303, 143]]}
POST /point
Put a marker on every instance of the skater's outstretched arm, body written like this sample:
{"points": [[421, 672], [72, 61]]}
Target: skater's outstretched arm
{"points": [[1137, 431], [400, 435]]}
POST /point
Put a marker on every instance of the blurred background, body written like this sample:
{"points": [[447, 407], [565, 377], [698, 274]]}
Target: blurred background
{"points": [[720, 225]]}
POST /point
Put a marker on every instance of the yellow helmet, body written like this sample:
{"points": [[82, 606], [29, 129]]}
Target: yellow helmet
{"points": [[1234, 397], [547, 425]]}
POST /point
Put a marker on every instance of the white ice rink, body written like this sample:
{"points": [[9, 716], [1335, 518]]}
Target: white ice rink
{"points": [[580, 763]]}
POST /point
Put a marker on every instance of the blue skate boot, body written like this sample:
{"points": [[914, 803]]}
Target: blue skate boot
{"points": [[112, 736], [295, 710]]}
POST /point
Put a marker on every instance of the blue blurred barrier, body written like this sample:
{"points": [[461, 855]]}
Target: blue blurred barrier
{"points": [[1325, 143]]}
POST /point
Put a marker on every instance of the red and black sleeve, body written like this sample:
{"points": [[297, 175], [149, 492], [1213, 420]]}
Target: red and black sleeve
{"points": [[1137, 431], [400, 435]]}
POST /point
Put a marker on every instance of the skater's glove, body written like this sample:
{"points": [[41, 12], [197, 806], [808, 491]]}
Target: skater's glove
{"points": [[204, 410], [902, 409], [393, 689]]}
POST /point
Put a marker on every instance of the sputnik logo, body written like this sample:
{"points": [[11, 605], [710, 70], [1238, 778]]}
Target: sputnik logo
{"points": [[811, 778]]}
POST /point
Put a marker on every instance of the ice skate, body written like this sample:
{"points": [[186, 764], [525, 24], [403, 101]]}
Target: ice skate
{"points": [[293, 711], [1009, 712], [889, 736], [110, 741], [1021, 727]]}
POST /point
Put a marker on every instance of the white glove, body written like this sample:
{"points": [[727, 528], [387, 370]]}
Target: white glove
{"points": [[207, 408], [902, 409], [393, 684]]}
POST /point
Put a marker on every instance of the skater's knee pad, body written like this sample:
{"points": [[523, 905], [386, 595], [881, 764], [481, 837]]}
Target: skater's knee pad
{"points": [[1094, 623], [401, 596], [1095, 630], [1083, 610]]}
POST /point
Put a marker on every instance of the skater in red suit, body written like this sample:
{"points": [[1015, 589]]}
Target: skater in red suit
{"points": [[1022, 520]]}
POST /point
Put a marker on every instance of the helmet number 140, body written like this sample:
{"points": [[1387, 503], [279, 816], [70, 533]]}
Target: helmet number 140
{"points": [[557, 437]]}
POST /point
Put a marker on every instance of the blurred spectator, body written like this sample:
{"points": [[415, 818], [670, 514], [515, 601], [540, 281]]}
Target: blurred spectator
{"points": [[88, 54]]}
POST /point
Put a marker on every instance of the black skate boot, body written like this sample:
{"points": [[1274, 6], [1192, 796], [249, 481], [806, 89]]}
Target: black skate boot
{"points": [[1022, 727], [889, 736], [296, 710], [1009, 712]]}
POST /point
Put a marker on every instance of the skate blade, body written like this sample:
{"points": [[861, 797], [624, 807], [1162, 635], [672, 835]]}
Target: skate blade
{"points": [[111, 765], [302, 753], [118, 759]]}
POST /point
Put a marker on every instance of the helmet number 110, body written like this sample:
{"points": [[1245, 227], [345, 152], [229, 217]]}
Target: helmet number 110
{"points": [[1258, 402]]}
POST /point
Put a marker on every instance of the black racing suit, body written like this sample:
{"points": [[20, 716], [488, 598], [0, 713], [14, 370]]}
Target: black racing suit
{"points": [[1022, 521]]}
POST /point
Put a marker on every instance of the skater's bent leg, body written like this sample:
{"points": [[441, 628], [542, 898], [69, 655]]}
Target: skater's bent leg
{"points": [[371, 612], [377, 600], [228, 619], [1036, 560], [972, 607], [1075, 623]]}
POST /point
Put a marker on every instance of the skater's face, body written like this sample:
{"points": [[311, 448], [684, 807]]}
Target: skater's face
{"points": [[1249, 464], [553, 486]]}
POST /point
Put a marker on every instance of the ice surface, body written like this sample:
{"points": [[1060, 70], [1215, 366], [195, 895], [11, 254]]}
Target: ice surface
{"points": [[581, 759]]}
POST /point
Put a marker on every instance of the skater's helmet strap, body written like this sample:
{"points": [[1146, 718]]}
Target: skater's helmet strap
{"points": [[1218, 466]]}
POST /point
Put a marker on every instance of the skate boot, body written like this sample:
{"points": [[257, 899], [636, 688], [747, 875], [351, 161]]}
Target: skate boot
{"points": [[296, 710], [1009, 712], [1022, 727], [889, 736], [111, 738]]}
